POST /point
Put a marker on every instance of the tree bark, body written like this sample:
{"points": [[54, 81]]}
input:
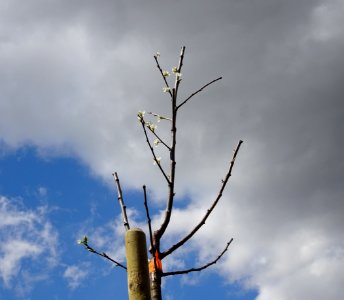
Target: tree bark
{"points": [[155, 281], [137, 265]]}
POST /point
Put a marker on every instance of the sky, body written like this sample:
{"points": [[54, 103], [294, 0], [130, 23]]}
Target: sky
{"points": [[74, 74]]}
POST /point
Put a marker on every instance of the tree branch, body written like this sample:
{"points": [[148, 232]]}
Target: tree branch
{"points": [[161, 141], [202, 222], [179, 68], [201, 89], [152, 250], [159, 116], [148, 219], [121, 202], [152, 150], [200, 268], [162, 74], [103, 254]]}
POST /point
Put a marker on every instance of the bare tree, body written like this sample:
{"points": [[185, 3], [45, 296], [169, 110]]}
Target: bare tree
{"points": [[157, 252]]}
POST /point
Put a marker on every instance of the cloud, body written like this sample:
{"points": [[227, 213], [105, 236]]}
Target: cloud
{"points": [[74, 76], [75, 275], [298, 260], [311, 266], [26, 236], [42, 191], [327, 17]]}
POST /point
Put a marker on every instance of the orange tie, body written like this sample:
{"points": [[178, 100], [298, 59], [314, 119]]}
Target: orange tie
{"points": [[158, 263]]}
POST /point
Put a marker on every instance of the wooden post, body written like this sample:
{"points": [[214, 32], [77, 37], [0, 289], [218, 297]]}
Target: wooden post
{"points": [[137, 265]]}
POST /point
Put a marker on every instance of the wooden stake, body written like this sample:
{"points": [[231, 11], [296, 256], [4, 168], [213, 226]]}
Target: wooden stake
{"points": [[137, 265]]}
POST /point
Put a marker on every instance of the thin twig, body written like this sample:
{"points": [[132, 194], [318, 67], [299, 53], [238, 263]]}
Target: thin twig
{"points": [[149, 227], [152, 150], [160, 139], [148, 219], [162, 74], [200, 268], [121, 202], [159, 116], [205, 217], [201, 89], [179, 69], [103, 254]]}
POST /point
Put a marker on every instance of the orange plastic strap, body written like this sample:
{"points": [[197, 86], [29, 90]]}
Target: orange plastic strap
{"points": [[158, 263]]}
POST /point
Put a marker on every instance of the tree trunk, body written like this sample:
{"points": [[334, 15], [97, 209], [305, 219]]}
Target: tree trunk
{"points": [[155, 285], [137, 265]]}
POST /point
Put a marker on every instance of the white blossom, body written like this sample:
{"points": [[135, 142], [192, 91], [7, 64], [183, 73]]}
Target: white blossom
{"points": [[140, 115], [157, 161]]}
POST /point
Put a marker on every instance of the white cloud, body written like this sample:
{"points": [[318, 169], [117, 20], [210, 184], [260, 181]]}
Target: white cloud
{"points": [[12, 254], [25, 235], [42, 191], [284, 261], [75, 274], [308, 265]]}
